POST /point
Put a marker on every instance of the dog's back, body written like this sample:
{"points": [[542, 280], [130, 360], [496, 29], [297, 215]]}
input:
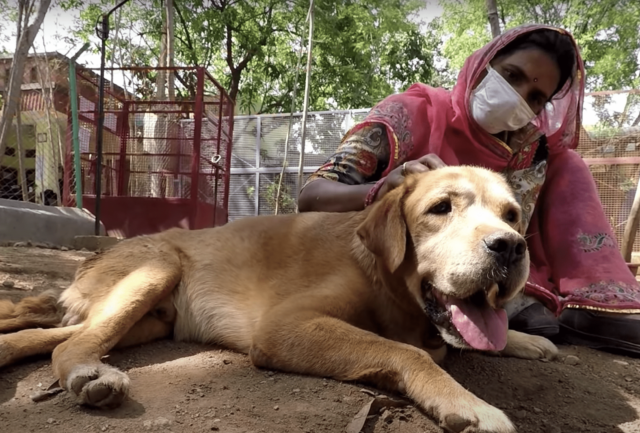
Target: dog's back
{"points": [[232, 275], [229, 275]]}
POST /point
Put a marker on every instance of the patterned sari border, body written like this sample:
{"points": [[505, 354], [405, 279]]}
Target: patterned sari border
{"points": [[605, 310]]}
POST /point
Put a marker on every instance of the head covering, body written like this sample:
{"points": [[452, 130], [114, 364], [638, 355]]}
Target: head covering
{"points": [[560, 121], [575, 258]]}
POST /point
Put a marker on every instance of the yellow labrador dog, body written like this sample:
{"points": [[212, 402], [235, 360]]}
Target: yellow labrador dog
{"points": [[368, 296]]}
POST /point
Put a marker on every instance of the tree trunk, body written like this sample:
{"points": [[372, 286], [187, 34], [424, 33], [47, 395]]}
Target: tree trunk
{"points": [[157, 145], [171, 89], [49, 79], [17, 70], [22, 178], [631, 227], [161, 80], [47, 97], [622, 119], [235, 85], [494, 20], [116, 43]]}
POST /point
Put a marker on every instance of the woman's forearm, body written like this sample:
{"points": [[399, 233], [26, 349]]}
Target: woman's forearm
{"points": [[324, 195]]}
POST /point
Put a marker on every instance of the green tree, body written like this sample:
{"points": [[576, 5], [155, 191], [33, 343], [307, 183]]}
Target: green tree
{"points": [[611, 120], [6, 18], [363, 50], [26, 32], [607, 32]]}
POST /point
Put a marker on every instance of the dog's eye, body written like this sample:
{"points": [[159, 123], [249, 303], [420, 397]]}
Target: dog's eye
{"points": [[511, 216], [443, 207]]}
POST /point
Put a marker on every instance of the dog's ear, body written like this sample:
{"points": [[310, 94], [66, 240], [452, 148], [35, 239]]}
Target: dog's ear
{"points": [[384, 230]]}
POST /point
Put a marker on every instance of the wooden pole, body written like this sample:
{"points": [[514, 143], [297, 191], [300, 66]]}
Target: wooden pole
{"points": [[75, 128], [285, 161], [631, 228], [305, 102]]}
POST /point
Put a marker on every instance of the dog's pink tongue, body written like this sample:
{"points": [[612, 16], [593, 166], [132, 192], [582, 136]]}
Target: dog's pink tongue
{"points": [[482, 328]]}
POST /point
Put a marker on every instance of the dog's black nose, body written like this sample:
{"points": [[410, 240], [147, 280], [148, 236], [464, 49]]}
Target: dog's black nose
{"points": [[507, 248]]}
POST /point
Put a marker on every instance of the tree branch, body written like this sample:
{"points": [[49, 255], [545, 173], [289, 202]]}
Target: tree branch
{"points": [[189, 42], [188, 86], [261, 43], [207, 56], [532, 6], [274, 104], [229, 49], [602, 14]]}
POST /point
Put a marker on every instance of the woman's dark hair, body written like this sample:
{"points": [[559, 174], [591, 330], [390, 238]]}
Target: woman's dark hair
{"points": [[555, 44]]}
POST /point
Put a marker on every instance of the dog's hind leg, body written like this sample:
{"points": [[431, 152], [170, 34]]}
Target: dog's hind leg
{"points": [[307, 342], [148, 329], [76, 362], [29, 342]]}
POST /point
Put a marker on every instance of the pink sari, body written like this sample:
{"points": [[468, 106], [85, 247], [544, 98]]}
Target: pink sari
{"points": [[575, 260]]}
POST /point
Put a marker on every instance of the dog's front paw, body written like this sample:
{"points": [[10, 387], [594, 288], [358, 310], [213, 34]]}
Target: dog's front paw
{"points": [[98, 385], [472, 415], [525, 346]]}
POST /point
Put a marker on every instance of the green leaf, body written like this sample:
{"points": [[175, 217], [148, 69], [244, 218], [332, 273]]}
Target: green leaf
{"points": [[607, 32], [363, 50]]}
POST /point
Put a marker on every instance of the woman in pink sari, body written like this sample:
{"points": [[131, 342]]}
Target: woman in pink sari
{"points": [[515, 109]]}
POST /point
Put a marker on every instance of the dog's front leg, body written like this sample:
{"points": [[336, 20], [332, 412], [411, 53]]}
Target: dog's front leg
{"points": [[525, 346], [310, 343]]}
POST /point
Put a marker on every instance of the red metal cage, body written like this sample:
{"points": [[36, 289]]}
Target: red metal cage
{"points": [[154, 152]]}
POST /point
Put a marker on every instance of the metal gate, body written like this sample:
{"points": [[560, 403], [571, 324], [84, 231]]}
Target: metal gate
{"points": [[165, 163]]}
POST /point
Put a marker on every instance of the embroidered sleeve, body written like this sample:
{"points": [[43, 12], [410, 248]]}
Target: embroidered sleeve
{"points": [[361, 158]]}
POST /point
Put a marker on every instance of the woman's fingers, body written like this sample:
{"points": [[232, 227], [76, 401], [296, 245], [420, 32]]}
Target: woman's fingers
{"points": [[411, 167], [425, 163], [396, 176], [432, 161]]}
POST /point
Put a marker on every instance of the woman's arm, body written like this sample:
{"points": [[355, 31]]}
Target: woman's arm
{"points": [[350, 178], [343, 183], [324, 195]]}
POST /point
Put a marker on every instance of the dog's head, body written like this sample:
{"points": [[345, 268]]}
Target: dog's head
{"points": [[461, 229]]}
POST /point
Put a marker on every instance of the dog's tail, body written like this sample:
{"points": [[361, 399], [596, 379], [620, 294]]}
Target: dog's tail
{"points": [[41, 311]]}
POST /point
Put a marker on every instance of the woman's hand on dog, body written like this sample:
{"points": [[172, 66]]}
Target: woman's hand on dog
{"points": [[428, 162]]}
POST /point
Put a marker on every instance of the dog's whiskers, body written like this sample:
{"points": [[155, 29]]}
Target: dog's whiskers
{"points": [[495, 275]]}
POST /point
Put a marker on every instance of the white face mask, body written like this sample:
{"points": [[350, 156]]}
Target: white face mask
{"points": [[497, 107]]}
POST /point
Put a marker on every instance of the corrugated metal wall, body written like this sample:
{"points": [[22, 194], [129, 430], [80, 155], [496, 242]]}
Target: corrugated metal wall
{"points": [[258, 155]]}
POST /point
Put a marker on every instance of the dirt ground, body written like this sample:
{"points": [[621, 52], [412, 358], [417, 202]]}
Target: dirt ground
{"points": [[193, 388]]}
